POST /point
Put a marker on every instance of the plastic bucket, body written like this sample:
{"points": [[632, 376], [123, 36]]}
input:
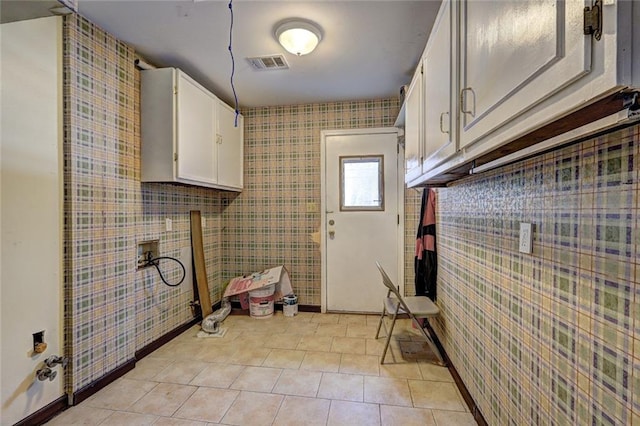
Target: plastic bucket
{"points": [[261, 302], [290, 305]]}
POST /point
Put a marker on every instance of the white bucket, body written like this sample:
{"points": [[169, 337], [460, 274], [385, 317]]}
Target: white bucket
{"points": [[290, 305], [261, 302]]}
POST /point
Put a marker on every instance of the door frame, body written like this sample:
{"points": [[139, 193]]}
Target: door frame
{"points": [[323, 200]]}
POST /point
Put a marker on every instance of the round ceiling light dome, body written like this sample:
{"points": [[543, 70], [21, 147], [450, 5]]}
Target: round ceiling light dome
{"points": [[298, 36]]}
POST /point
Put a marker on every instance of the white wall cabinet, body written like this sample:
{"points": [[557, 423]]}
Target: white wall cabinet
{"points": [[413, 128], [518, 69], [188, 135], [439, 93]]}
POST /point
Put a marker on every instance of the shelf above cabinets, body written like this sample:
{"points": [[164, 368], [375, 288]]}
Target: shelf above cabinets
{"points": [[188, 134]]}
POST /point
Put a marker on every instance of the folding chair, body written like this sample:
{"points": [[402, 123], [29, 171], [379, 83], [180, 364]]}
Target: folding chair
{"points": [[414, 306]]}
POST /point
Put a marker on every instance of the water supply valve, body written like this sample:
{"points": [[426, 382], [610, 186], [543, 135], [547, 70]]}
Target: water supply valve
{"points": [[54, 360], [46, 373]]}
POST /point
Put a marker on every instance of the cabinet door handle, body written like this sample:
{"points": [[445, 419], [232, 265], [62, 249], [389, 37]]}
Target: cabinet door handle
{"points": [[219, 139], [463, 105], [442, 122]]}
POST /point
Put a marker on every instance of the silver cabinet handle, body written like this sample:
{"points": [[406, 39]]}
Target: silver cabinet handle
{"points": [[463, 105], [442, 122]]}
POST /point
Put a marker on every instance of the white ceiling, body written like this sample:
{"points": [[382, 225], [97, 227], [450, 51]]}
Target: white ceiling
{"points": [[369, 48]]}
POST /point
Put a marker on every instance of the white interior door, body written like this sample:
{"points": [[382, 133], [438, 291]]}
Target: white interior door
{"points": [[361, 217], [31, 212]]}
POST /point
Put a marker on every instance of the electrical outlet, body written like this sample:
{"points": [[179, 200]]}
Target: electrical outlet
{"points": [[168, 225], [147, 250], [526, 238]]}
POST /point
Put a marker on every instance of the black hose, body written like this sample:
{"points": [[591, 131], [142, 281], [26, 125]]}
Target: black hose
{"points": [[155, 263]]}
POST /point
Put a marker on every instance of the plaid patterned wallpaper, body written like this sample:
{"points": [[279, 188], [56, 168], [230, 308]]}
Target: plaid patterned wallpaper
{"points": [[270, 222], [111, 309], [552, 337]]}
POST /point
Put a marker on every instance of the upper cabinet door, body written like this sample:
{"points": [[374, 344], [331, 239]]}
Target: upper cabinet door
{"points": [[196, 132], [413, 128], [438, 79], [230, 147], [515, 54]]}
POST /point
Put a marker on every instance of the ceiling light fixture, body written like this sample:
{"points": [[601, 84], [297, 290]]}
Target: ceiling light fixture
{"points": [[298, 36]]}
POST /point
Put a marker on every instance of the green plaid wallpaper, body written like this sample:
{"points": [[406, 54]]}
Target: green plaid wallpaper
{"points": [[270, 223], [552, 337], [111, 308]]}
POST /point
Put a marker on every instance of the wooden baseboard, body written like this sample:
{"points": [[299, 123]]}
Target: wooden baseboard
{"points": [[46, 413], [146, 350], [236, 309], [475, 411], [93, 387]]}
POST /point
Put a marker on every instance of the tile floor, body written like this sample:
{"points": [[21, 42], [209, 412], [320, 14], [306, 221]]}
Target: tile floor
{"points": [[312, 369]]}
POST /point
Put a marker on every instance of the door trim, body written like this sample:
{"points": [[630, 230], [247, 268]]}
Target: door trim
{"points": [[323, 208]]}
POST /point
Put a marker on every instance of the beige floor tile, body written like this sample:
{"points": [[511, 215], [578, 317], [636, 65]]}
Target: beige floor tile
{"points": [[121, 394], [365, 331], [179, 350], [353, 413], [172, 421], [373, 319], [296, 411], [163, 400], [315, 343], [437, 395], [325, 318], [332, 330], [419, 351], [360, 364], [446, 418], [348, 387], [120, 418], [348, 345], [259, 379], [404, 370], [218, 375], [80, 415], [284, 358], [356, 319], [302, 328], [218, 353], [253, 409], [249, 355], [387, 390], [435, 372], [283, 341], [300, 317], [181, 372], [207, 405], [147, 368], [321, 361], [405, 416], [253, 339], [298, 382]]}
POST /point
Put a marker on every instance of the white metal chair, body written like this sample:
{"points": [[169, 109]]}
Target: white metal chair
{"points": [[414, 306]]}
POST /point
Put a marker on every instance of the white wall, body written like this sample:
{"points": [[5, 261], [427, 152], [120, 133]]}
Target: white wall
{"points": [[30, 211]]}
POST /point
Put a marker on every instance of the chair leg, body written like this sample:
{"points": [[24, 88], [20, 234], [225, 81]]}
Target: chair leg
{"points": [[431, 343], [389, 333], [384, 312]]}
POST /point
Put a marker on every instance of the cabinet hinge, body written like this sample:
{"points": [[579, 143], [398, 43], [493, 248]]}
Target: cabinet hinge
{"points": [[175, 90], [175, 156], [593, 20]]}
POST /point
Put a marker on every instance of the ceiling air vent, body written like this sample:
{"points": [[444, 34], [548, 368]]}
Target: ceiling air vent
{"points": [[273, 62]]}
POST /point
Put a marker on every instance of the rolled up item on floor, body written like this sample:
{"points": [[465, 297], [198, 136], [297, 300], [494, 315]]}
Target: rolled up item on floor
{"points": [[212, 322]]}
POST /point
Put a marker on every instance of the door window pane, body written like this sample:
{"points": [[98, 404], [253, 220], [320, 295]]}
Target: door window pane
{"points": [[361, 183]]}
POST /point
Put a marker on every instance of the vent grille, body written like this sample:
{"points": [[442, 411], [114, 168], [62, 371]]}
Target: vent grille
{"points": [[272, 62]]}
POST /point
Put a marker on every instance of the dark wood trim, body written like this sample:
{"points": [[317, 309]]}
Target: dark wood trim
{"points": [[108, 378], [164, 339], [236, 309], [475, 411], [46, 413]]}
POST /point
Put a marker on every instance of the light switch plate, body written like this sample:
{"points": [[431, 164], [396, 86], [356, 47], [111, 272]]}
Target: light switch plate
{"points": [[168, 225], [526, 238]]}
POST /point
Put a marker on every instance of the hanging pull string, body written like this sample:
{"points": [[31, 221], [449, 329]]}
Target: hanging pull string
{"points": [[233, 63]]}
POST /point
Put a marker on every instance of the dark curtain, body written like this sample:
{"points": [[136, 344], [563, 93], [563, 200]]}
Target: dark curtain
{"points": [[426, 262]]}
